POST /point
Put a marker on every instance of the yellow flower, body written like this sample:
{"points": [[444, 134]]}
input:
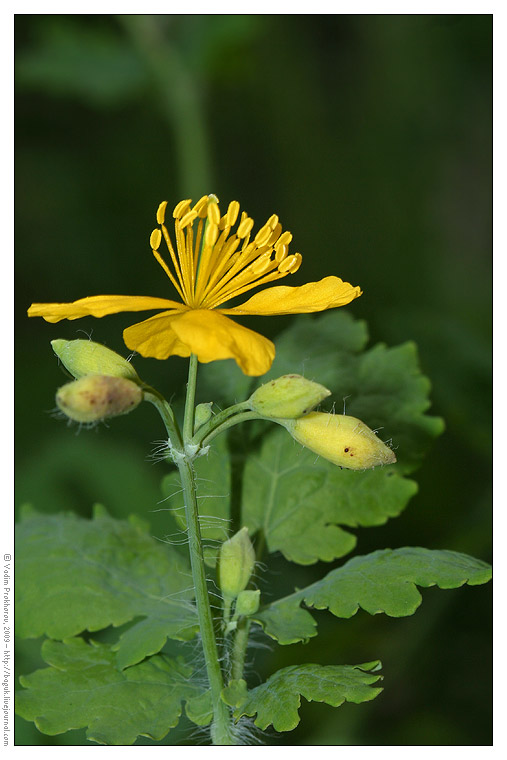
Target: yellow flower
{"points": [[210, 266]]}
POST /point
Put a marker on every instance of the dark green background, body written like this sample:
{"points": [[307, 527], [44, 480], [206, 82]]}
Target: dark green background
{"points": [[370, 136]]}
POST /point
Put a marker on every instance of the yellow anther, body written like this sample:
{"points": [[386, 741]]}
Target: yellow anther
{"points": [[155, 239], [230, 247], [188, 218], [181, 209], [272, 221], [297, 263], [232, 213], [161, 212], [280, 253], [287, 265], [276, 234], [213, 213], [261, 264], [211, 234], [285, 238], [245, 227], [200, 207], [263, 235]]}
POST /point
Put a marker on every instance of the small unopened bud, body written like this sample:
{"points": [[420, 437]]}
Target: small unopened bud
{"points": [[202, 414], [235, 564], [96, 397], [247, 602], [287, 397], [84, 357], [343, 440]]}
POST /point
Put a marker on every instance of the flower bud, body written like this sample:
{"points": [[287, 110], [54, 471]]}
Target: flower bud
{"points": [[84, 357], [235, 564], [287, 397], [247, 602], [95, 397], [343, 440], [202, 414]]}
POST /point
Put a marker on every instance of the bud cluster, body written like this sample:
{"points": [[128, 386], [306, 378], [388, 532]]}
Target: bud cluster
{"points": [[106, 385]]}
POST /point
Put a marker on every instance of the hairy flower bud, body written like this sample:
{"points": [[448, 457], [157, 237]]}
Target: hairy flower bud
{"points": [[343, 440], [247, 602], [84, 357], [287, 397], [202, 414], [235, 564], [96, 397]]}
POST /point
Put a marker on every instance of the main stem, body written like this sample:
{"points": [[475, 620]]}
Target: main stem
{"points": [[221, 725]]}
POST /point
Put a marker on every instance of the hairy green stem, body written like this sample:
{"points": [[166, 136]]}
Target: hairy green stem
{"points": [[218, 419], [243, 417], [221, 726], [239, 648], [188, 420], [165, 411]]}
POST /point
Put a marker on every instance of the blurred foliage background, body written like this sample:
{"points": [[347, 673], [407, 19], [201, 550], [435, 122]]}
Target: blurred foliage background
{"points": [[371, 137]]}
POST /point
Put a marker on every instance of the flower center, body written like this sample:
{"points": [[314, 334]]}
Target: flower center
{"points": [[212, 264]]}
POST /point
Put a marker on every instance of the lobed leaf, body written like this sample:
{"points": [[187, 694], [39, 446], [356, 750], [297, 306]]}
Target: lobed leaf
{"points": [[278, 699], [298, 500], [83, 688], [384, 581], [97, 573]]}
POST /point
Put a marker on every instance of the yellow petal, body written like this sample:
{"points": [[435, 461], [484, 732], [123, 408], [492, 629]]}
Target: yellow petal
{"points": [[314, 296], [211, 336], [205, 333], [98, 306], [155, 337]]}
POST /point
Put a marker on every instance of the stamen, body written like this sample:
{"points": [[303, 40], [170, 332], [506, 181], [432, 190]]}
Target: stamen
{"points": [[262, 264], [232, 213], [201, 206], [161, 212], [168, 273], [188, 218], [176, 266], [185, 264], [290, 264], [245, 227], [181, 208], [213, 214], [211, 235], [263, 235], [285, 238], [276, 234], [155, 239], [280, 252]]}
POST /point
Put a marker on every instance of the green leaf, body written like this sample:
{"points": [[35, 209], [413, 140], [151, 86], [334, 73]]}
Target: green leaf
{"points": [[83, 688], [298, 500], [199, 709], [322, 348], [384, 581], [97, 573], [213, 479], [278, 699]]}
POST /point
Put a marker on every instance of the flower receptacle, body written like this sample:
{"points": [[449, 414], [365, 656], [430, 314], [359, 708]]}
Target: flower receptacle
{"points": [[287, 397], [96, 397], [343, 440], [235, 564], [84, 357]]}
